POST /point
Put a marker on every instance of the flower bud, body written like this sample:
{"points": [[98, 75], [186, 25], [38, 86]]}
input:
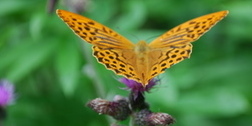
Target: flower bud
{"points": [[146, 118], [118, 109]]}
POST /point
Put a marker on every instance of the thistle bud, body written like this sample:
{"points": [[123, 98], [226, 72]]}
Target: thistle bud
{"points": [[118, 109], [146, 118]]}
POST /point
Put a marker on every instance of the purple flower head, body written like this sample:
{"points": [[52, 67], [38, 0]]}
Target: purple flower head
{"points": [[6, 93], [138, 87]]}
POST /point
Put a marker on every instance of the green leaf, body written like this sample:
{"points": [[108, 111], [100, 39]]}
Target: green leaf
{"points": [[216, 102], [31, 58], [68, 66]]}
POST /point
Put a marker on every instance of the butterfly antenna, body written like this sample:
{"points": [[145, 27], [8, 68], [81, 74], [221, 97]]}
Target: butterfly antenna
{"points": [[152, 38], [129, 34], [160, 78], [134, 36]]}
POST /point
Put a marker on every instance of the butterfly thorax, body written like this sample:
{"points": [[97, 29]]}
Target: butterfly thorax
{"points": [[141, 47]]}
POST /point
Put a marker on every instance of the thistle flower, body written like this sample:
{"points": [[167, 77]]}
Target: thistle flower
{"points": [[136, 97], [120, 108], [136, 87], [6, 93], [6, 97]]}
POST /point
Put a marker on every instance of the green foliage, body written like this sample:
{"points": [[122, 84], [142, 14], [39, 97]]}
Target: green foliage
{"points": [[55, 73]]}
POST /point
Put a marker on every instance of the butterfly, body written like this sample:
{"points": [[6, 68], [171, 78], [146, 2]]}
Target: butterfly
{"points": [[142, 61]]}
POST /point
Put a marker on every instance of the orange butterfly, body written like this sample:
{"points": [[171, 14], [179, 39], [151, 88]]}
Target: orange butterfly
{"points": [[142, 61]]}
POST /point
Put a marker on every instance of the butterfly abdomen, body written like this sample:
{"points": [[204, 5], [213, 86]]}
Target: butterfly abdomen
{"points": [[142, 51]]}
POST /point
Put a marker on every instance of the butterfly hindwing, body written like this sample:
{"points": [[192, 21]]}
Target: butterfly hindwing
{"points": [[166, 57], [117, 61]]}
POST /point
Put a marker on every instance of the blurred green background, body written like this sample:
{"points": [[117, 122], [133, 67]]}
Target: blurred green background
{"points": [[55, 74]]}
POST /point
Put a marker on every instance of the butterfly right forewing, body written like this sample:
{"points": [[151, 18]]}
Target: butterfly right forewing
{"points": [[189, 31], [175, 45]]}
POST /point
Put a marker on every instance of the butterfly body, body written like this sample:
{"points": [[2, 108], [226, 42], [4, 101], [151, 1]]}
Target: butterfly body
{"points": [[142, 61], [142, 51]]}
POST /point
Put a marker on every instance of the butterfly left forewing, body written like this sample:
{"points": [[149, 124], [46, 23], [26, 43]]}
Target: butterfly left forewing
{"points": [[94, 32], [112, 50]]}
